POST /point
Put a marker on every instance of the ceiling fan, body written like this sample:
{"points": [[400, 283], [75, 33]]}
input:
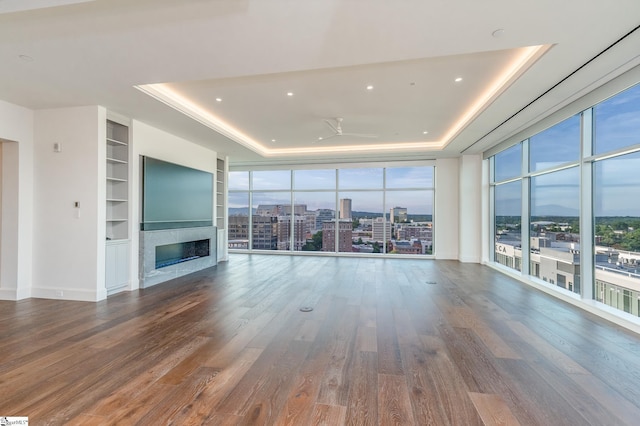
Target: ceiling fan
{"points": [[337, 130]]}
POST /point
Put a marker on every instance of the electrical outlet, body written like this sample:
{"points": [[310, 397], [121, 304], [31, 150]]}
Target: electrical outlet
{"points": [[59, 293]]}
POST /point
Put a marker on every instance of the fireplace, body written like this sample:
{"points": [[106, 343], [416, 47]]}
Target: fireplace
{"points": [[171, 254]]}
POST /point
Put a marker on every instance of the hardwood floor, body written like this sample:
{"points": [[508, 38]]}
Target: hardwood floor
{"points": [[389, 342]]}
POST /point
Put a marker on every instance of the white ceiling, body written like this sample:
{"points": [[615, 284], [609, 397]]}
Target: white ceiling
{"points": [[250, 53]]}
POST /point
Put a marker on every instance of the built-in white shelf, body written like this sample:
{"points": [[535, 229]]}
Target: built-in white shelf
{"points": [[115, 160], [111, 141], [117, 250], [220, 198], [117, 177]]}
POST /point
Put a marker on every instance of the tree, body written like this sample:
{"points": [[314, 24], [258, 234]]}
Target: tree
{"points": [[317, 240], [631, 241], [355, 223], [315, 244]]}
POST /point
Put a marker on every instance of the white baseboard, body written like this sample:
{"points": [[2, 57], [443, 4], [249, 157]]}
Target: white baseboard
{"points": [[446, 256], [68, 294], [14, 294]]}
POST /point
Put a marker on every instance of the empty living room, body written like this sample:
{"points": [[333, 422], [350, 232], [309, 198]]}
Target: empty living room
{"points": [[326, 212]]}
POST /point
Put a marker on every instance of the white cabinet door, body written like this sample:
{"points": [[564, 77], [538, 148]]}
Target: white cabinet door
{"points": [[117, 266]]}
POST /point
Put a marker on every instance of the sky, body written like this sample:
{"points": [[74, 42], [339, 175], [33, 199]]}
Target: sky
{"points": [[317, 188], [616, 180]]}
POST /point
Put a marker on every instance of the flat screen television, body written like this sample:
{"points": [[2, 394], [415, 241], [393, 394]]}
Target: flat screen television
{"points": [[175, 196]]}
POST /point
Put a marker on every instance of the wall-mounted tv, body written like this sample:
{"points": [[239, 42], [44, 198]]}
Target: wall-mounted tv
{"points": [[175, 196]]}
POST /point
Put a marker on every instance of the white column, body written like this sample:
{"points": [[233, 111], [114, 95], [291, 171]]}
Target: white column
{"points": [[446, 216], [470, 208]]}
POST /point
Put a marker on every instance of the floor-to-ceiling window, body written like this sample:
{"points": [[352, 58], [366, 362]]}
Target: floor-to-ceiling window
{"points": [[314, 198], [554, 173], [507, 190], [616, 201], [347, 210], [409, 203], [593, 156]]}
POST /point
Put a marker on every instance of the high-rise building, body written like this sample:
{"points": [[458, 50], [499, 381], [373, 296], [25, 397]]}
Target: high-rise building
{"points": [[380, 229], [264, 235], [324, 215], [345, 208], [310, 223], [398, 214], [284, 232], [345, 235], [264, 232]]}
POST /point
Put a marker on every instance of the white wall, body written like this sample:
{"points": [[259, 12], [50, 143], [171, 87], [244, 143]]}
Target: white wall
{"points": [[446, 208], [68, 252], [158, 144], [470, 208], [486, 239], [16, 135]]}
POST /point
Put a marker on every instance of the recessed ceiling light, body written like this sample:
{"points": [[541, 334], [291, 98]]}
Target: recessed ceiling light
{"points": [[412, 83], [320, 138], [218, 99], [458, 80], [289, 93], [425, 132], [369, 87], [25, 58], [273, 140]]}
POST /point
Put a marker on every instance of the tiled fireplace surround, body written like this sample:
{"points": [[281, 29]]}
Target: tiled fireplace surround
{"points": [[149, 275]]}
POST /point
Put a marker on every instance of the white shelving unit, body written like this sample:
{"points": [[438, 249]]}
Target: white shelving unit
{"points": [[117, 181], [117, 214], [220, 199], [221, 209]]}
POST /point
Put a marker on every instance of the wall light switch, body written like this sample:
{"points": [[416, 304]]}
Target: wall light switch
{"points": [[57, 147]]}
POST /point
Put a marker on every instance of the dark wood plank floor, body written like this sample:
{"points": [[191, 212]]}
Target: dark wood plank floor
{"points": [[389, 342]]}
